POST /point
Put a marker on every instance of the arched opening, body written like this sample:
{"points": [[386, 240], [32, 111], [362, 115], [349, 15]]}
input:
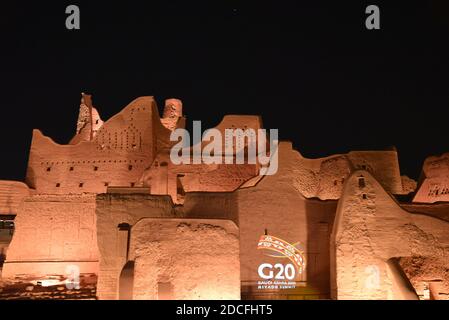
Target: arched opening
{"points": [[126, 281]]}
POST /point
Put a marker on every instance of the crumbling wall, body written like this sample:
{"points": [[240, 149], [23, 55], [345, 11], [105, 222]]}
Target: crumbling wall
{"points": [[383, 165], [51, 233], [89, 121], [164, 177], [121, 208], [190, 259], [289, 205], [434, 186], [370, 229], [274, 205], [408, 185], [12, 194], [324, 178], [132, 150], [172, 114], [112, 211], [121, 150]]}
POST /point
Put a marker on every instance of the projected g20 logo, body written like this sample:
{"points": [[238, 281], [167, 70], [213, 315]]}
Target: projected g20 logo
{"points": [[280, 275], [282, 271]]}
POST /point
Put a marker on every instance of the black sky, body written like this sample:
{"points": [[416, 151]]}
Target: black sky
{"points": [[312, 70]]}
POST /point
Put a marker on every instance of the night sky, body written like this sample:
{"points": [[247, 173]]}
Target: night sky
{"points": [[311, 70]]}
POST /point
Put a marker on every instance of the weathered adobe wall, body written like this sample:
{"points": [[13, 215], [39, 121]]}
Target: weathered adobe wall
{"points": [[164, 177], [195, 258], [51, 233], [276, 205], [315, 178], [12, 194], [122, 149], [89, 121], [383, 165], [434, 186], [324, 178], [115, 208], [409, 185], [172, 115], [370, 230], [303, 218]]}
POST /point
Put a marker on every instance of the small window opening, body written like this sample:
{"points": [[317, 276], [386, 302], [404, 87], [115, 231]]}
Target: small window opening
{"points": [[361, 182], [124, 226]]}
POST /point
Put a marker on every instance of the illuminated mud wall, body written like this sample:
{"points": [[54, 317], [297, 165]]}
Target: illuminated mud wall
{"points": [[164, 177], [324, 178], [185, 259], [274, 204], [12, 194], [288, 206], [434, 184], [118, 154], [372, 240], [119, 211], [51, 233], [125, 162], [100, 156]]}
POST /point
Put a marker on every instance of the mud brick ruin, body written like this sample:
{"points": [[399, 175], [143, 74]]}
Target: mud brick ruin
{"points": [[112, 203]]}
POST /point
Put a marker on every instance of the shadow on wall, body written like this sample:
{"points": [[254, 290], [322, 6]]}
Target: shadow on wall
{"points": [[319, 216], [126, 281], [402, 286], [2, 257]]}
